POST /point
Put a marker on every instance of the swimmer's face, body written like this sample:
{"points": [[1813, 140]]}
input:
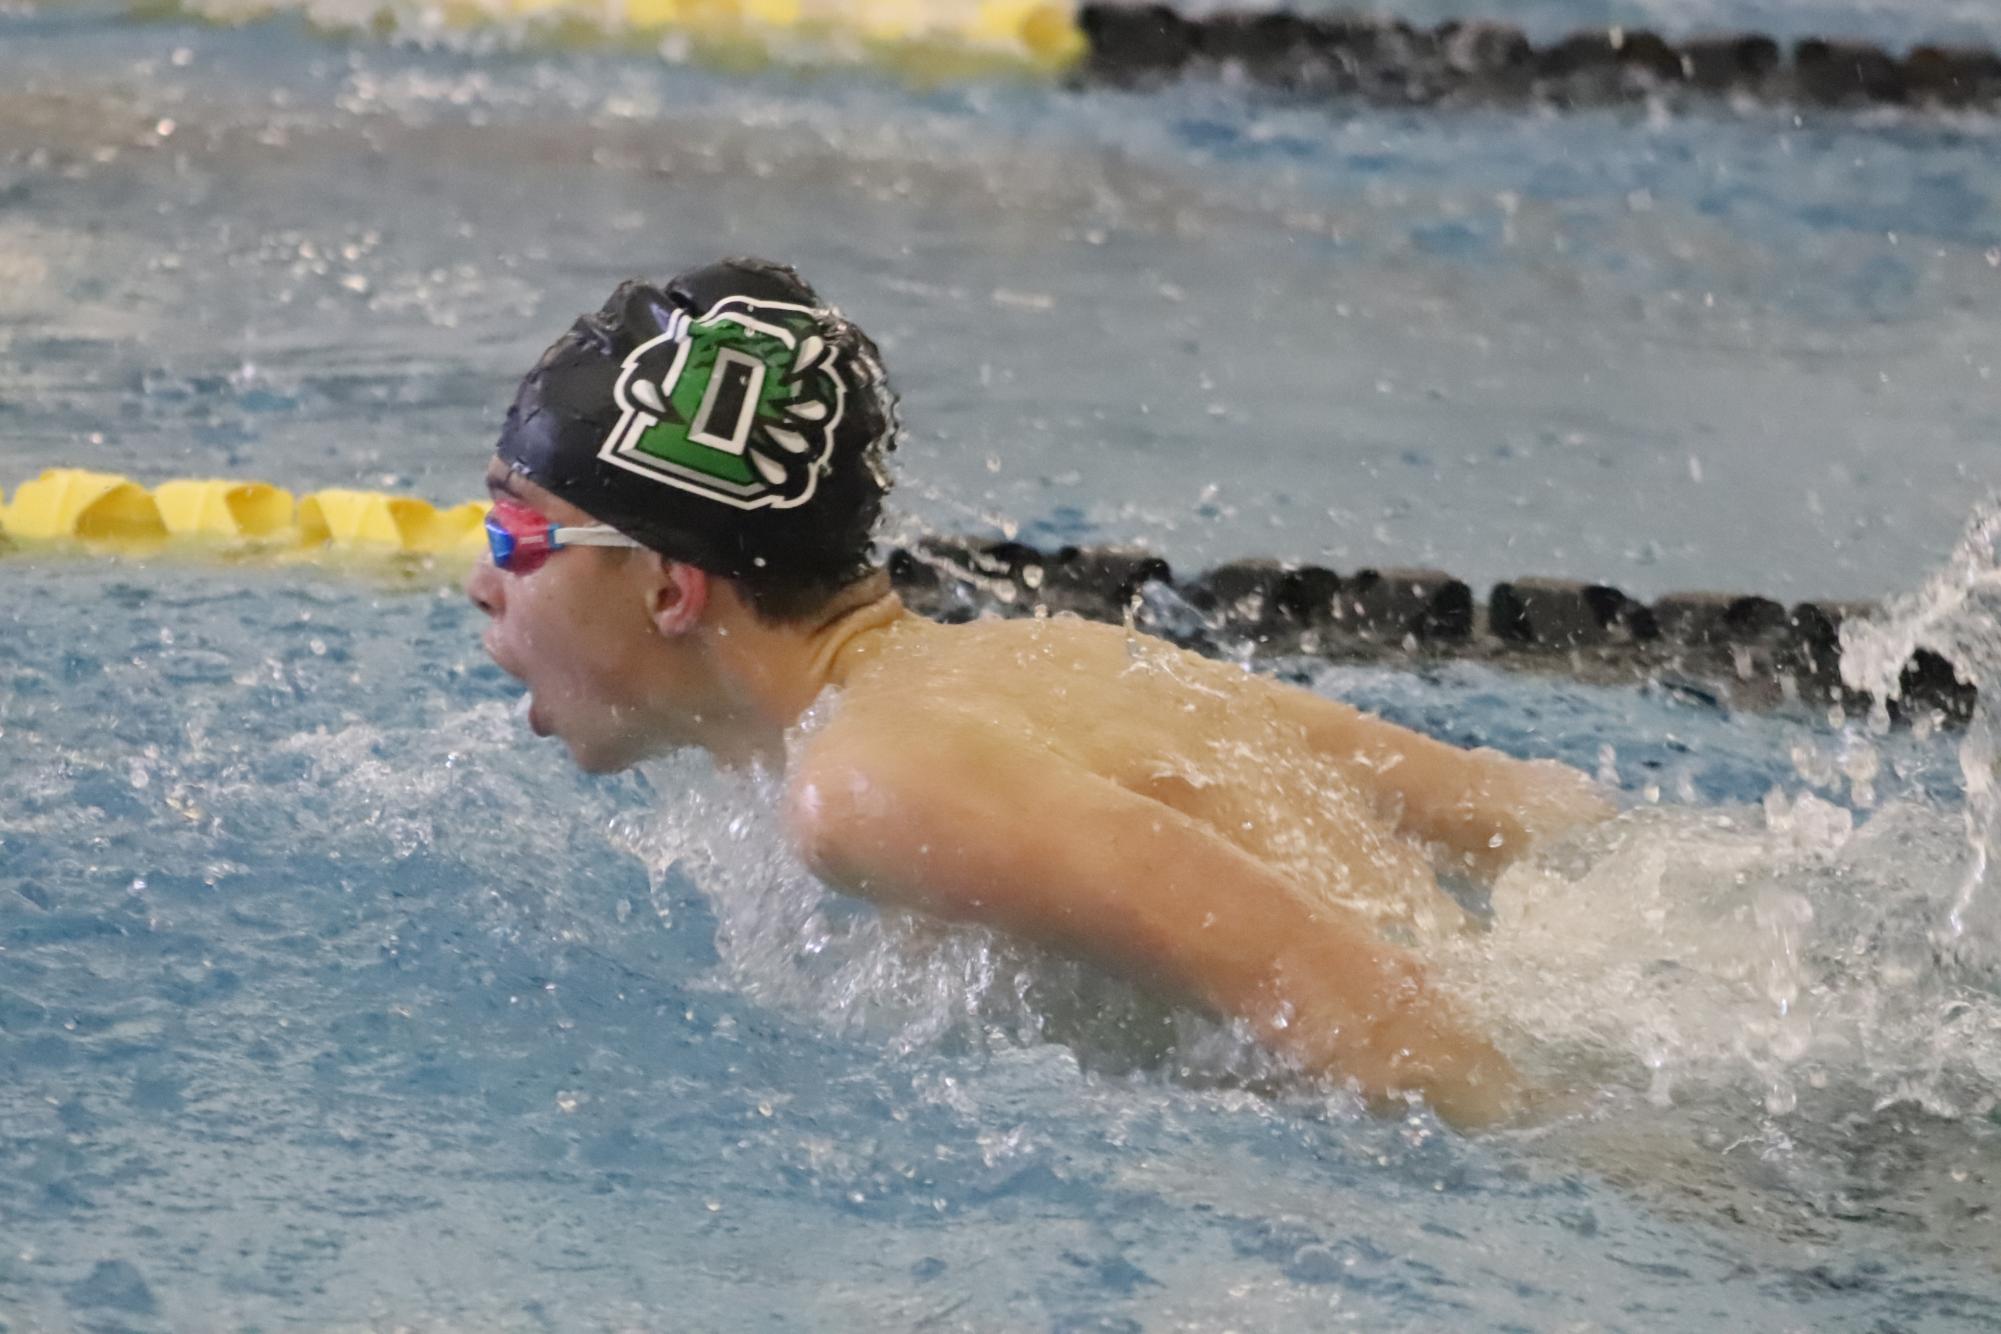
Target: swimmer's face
{"points": [[576, 632]]}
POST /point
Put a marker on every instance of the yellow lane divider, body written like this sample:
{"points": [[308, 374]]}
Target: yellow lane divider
{"points": [[104, 511], [922, 38], [224, 509]]}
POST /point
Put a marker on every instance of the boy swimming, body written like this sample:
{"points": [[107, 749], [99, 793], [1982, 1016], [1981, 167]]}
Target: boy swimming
{"points": [[716, 448]]}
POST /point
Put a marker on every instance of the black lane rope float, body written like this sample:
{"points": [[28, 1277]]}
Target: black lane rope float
{"points": [[1481, 62], [1728, 650]]}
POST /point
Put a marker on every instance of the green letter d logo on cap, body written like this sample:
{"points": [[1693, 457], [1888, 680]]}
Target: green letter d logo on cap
{"points": [[739, 405]]}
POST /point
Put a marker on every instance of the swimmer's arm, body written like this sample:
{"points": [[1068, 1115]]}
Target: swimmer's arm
{"points": [[967, 828], [1483, 807]]}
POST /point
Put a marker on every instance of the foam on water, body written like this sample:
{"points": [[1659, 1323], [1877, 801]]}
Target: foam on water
{"points": [[1714, 955]]}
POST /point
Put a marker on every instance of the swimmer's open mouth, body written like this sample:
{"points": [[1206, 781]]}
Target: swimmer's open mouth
{"points": [[524, 708], [526, 711]]}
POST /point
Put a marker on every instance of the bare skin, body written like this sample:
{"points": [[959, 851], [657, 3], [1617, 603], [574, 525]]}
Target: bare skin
{"points": [[1218, 836]]}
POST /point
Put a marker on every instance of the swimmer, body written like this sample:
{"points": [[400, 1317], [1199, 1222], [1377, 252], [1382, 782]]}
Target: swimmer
{"points": [[714, 450]]}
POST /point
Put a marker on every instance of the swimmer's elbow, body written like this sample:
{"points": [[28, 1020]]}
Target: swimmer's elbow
{"points": [[856, 825], [828, 821]]}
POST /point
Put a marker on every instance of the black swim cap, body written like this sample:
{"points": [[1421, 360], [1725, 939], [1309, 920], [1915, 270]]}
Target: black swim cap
{"points": [[730, 419]]}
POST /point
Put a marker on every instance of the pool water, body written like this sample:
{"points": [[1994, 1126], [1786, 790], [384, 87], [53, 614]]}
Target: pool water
{"points": [[328, 997]]}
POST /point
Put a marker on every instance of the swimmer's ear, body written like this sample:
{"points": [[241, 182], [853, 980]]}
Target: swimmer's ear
{"points": [[677, 598]]}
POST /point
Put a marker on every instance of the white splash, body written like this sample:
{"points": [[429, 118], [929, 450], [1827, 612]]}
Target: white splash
{"points": [[1957, 614], [1953, 615]]}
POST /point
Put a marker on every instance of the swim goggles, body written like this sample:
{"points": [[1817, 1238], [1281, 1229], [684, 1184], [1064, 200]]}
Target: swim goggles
{"points": [[520, 539]]}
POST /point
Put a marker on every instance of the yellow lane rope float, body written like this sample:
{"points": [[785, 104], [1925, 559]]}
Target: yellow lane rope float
{"points": [[922, 38], [104, 511]]}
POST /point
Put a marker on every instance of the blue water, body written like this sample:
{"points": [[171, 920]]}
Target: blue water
{"points": [[329, 998]]}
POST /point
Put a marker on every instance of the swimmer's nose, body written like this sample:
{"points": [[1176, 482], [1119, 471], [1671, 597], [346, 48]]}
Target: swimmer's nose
{"points": [[484, 586]]}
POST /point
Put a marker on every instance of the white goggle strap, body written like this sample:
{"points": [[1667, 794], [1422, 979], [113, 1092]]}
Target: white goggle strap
{"points": [[593, 535]]}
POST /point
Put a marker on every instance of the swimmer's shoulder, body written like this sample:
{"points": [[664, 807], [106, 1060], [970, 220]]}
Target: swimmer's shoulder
{"points": [[1034, 633], [858, 784], [940, 706], [978, 663], [1065, 640]]}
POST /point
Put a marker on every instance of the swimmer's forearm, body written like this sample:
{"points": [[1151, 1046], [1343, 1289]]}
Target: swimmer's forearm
{"points": [[1470, 802], [1481, 806], [1319, 986], [1412, 1040], [1516, 805], [1459, 799]]}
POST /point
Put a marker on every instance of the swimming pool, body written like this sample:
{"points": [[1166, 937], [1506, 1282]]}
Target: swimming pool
{"points": [[329, 998]]}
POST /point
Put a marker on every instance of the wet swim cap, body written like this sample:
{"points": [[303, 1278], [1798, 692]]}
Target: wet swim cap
{"points": [[729, 419]]}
